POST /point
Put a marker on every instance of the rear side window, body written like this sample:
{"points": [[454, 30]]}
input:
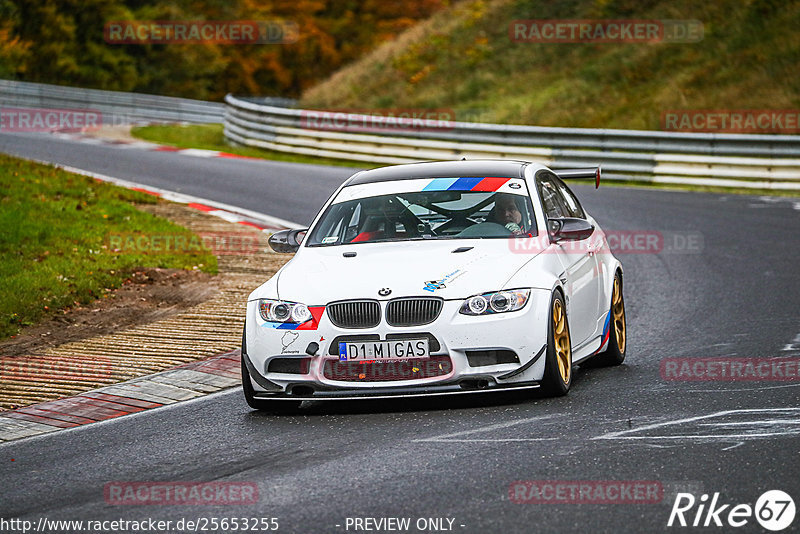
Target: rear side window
{"points": [[554, 205], [570, 200], [557, 199]]}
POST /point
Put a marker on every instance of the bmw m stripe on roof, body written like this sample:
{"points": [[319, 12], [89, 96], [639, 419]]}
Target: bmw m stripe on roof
{"points": [[488, 184], [466, 184]]}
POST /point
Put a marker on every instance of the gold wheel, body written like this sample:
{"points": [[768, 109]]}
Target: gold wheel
{"points": [[618, 312], [561, 341]]}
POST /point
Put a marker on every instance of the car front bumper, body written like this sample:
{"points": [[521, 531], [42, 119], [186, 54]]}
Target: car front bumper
{"points": [[448, 372]]}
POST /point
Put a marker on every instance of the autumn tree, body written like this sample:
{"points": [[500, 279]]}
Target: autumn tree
{"points": [[61, 41]]}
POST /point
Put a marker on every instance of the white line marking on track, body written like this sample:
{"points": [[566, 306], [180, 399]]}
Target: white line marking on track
{"points": [[500, 440], [488, 428], [794, 346], [766, 422], [626, 434], [734, 446], [721, 437], [744, 389]]}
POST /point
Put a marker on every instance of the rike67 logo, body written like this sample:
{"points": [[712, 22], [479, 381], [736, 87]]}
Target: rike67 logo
{"points": [[774, 511]]}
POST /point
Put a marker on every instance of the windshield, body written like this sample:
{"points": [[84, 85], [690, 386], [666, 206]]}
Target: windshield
{"points": [[426, 214]]}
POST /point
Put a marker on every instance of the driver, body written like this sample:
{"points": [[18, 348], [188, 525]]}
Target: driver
{"points": [[507, 213]]}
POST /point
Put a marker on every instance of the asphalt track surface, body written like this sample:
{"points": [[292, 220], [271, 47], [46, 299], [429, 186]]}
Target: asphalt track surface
{"points": [[456, 458]]}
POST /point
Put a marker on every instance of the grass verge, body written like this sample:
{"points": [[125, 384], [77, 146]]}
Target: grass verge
{"points": [[54, 247]]}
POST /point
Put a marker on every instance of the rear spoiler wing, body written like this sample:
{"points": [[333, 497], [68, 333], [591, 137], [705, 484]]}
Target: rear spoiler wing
{"points": [[592, 173]]}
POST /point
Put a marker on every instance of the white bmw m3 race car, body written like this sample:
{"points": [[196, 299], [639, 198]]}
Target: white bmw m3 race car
{"points": [[436, 278]]}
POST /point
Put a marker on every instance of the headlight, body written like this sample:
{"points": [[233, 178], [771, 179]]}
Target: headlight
{"points": [[496, 302], [279, 311]]}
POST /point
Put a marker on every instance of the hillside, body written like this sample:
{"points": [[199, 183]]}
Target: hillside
{"points": [[463, 59]]}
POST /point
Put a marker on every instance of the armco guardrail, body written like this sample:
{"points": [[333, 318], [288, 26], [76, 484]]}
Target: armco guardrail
{"points": [[727, 160], [115, 107]]}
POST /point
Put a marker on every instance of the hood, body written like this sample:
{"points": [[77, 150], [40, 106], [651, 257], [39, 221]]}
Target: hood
{"points": [[319, 275]]}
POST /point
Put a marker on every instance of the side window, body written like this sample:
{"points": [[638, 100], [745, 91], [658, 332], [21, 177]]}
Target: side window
{"points": [[554, 206], [570, 200]]}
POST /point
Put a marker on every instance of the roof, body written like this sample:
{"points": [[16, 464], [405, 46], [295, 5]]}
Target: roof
{"points": [[440, 169]]}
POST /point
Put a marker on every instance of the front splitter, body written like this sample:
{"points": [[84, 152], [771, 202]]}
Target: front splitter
{"points": [[397, 392]]}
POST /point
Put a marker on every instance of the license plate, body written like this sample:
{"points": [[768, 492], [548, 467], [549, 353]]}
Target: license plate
{"points": [[396, 349]]}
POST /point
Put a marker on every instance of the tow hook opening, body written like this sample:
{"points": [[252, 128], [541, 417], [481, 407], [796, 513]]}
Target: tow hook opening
{"points": [[474, 383], [301, 391]]}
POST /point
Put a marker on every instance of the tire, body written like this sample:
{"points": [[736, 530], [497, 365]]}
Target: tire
{"points": [[618, 329], [264, 405], [558, 370]]}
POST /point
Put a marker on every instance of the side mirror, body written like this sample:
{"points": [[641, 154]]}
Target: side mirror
{"points": [[569, 229], [287, 241]]}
